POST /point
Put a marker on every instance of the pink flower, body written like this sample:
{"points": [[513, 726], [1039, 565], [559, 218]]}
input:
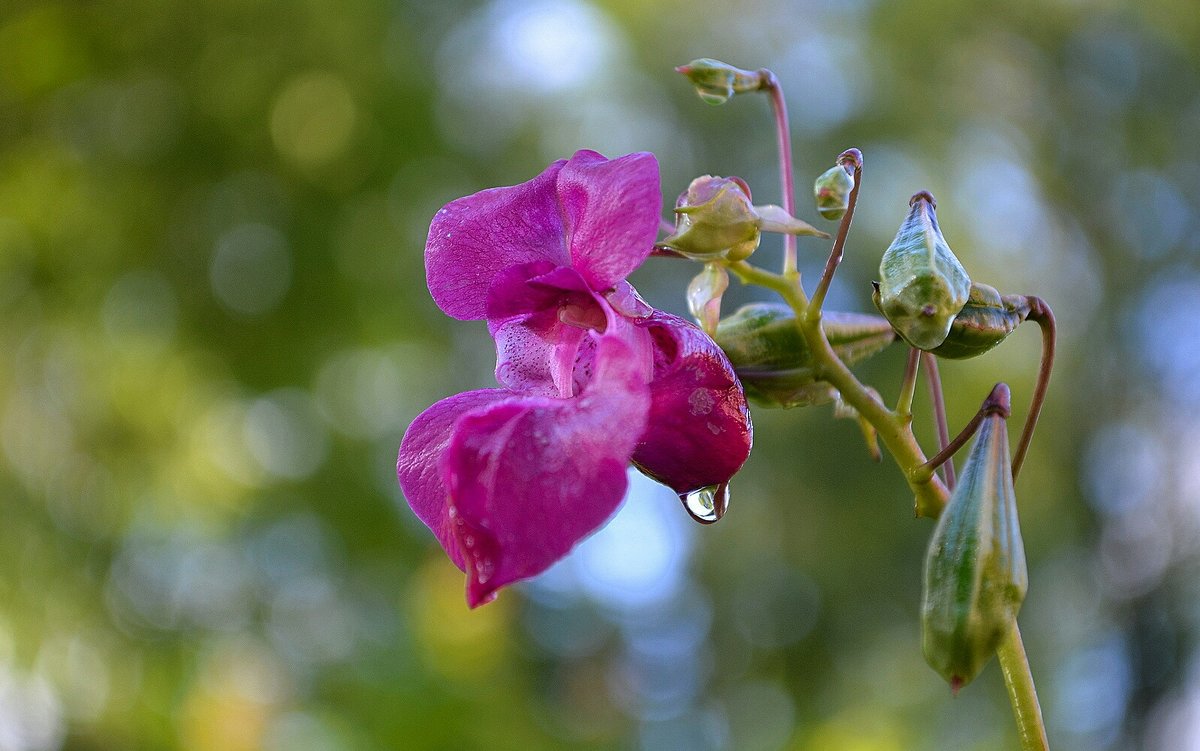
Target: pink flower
{"points": [[510, 479]]}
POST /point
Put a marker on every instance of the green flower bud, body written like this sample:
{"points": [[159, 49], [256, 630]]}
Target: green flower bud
{"points": [[975, 575], [704, 294], [922, 285], [832, 191], [773, 361], [985, 321], [716, 219], [716, 81]]}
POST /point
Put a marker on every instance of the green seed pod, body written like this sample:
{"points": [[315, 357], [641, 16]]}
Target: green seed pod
{"points": [[922, 286], [716, 81], [774, 363], [985, 321], [975, 576], [832, 192]]}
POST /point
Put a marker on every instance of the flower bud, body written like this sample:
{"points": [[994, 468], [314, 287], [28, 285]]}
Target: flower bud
{"points": [[704, 296], [985, 321], [975, 575], [716, 219], [832, 191], [922, 286], [773, 361], [716, 81]]}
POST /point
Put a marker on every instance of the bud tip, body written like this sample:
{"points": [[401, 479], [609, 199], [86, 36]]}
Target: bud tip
{"points": [[956, 683], [923, 195], [999, 401]]}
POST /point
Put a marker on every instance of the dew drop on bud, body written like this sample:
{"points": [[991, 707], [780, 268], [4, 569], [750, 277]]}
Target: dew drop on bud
{"points": [[708, 504]]}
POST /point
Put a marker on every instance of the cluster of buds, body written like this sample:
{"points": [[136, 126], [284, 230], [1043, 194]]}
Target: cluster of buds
{"points": [[717, 221], [975, 575]]}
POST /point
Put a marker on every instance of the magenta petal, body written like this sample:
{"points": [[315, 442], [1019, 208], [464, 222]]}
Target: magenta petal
{"points": [[612, 210], [530, 477], [417, 465], [473, 238], [699, 432]]}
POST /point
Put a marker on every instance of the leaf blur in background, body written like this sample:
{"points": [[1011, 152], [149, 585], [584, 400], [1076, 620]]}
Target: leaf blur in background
{"points": [[215, 330]]}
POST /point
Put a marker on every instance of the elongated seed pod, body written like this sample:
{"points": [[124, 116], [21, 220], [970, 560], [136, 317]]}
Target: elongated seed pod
{"points": [[773, 361], [922, 286], [986, 320], [975, 575]]}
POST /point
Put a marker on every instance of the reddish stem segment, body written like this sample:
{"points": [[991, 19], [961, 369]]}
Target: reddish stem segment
{"points": [[934, 377], [783, 135], [997, 403], [851, 158]]}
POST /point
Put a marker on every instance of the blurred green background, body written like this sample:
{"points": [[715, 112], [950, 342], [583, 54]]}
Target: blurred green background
{"points": [[215, 331]]}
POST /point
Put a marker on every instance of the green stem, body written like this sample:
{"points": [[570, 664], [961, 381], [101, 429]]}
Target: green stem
{"points": [[908, 386], [895, 432], [1022, 693]]}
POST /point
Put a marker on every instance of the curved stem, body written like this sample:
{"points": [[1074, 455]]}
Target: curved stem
{"points": [[787, 181], [1040, 312], [851, 158], [934, 379], [1022, 693], [908, 385]]}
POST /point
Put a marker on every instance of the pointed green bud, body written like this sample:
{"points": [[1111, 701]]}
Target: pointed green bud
{"points": [[716, 81], [985, 321], [922, 286], [832, 192], [704, 296], [975, 575], [773, 361], [715, 218]]}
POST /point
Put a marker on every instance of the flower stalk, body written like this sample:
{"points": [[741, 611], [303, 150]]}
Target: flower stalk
{"points": [[1022, 694], [934, 378], [908, 385], [894, 427], [1040, 313], [787, 180], [850, 159]]}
